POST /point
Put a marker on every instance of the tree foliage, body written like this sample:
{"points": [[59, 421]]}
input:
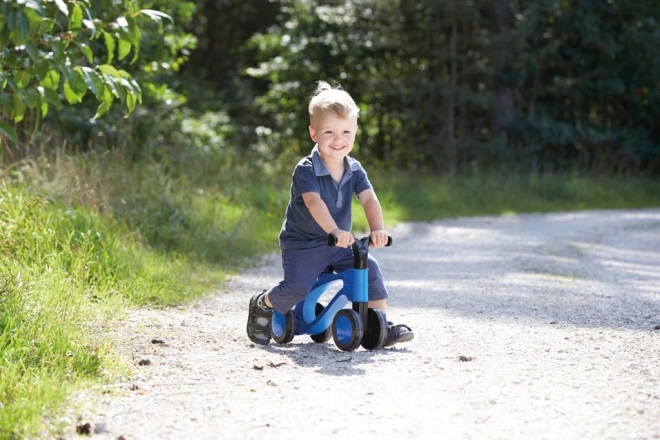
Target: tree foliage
{"points": [[451, 85], [543, 84], [50, 55]]}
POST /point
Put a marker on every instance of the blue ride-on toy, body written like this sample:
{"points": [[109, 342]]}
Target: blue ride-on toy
{"points": [[349, 327]]}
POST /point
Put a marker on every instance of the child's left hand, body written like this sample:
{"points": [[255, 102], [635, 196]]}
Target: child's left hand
{"points": [[378, 238]]}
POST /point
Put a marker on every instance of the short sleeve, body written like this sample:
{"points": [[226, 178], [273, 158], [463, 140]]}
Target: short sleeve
{"points": [[304, 180], [361, 180]]}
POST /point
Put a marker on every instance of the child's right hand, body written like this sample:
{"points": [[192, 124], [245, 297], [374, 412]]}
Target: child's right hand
{"points": [[344, 238]]}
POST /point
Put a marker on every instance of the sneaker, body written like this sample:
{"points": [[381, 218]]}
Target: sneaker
{"points": [[398, 333], [258, 324]]}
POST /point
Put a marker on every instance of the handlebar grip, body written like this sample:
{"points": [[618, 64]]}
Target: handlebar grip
{"points": [[332, 240]]}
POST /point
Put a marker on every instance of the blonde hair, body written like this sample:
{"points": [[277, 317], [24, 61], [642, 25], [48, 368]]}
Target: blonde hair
{"points": [[328, 99]]}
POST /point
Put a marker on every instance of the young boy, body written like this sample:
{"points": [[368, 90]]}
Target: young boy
{"points": [[322, 186]]}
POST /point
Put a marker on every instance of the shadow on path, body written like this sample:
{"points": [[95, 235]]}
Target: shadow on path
{"points": [[586, 268]]}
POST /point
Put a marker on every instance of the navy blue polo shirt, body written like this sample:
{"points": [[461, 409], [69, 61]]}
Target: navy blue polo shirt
{"points": [[300, 230]]}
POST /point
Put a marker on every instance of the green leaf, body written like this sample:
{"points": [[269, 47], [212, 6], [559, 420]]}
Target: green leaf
{"points": [[41, 69], [124, 49], [94, 81], [43, 101], [75, 20], [32, 98], [102, 109], [33, 51], [109, 70], [130, 32], [52, 97], [156, 15], [137, 88], [51, 80], [130, 102], [77, 80], [18, 91], [18, 108], [22, 78], [21, 30], [136, 51], [8, 131], [85, 49], [109, 45], [117, 89], [44, 108], [75, 87]]}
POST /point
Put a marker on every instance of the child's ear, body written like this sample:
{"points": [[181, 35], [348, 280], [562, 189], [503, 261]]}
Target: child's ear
{"points": [[312, 133]]}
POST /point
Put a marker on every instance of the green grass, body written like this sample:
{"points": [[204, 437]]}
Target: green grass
{"points": [[422, 197], [82, 238], [65, 273]]}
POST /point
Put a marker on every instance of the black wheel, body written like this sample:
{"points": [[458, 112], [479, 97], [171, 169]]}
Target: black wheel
{"points": [[326, 334], [347, 329], [283, 327], [375, 333]]}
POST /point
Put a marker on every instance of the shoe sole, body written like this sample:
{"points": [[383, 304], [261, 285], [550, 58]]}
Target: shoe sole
{"points": [[253, 337], [403, 337]]}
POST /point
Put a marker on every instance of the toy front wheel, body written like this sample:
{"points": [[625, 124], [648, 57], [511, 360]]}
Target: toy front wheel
{"points": [[283, 327], [375, 333], [326, 334], [347, 329]]}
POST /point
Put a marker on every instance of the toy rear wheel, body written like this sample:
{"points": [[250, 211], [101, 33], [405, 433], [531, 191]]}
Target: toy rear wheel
{"points": [[326, 334], [347, 330], [375, 333], [283, 327]]}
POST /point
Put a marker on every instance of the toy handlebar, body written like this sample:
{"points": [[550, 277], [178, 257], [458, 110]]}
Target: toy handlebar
{"points": [[332, 240]]}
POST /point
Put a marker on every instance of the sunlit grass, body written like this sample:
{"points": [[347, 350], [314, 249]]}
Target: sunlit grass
{"points": [[422, 197]]}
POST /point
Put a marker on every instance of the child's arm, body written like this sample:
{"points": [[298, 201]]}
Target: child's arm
{"points": [[374, 214], [321, 214]]}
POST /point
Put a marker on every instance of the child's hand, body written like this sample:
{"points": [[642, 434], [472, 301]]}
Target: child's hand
{"points": [[378, 238], [344, 238]]}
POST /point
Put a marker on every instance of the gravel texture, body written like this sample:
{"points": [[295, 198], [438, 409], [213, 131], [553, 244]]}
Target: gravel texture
{"points": [[527, 326]]}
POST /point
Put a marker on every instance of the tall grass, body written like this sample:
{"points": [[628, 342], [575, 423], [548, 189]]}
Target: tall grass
{"points": [[84, 237], [55, 264]]}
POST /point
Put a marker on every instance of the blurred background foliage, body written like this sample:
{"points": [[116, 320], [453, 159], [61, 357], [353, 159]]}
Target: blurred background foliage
{"points": [[444, 85]]}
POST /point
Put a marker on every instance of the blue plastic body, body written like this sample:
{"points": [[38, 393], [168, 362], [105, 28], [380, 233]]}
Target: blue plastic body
{"points": [[355, 289]]}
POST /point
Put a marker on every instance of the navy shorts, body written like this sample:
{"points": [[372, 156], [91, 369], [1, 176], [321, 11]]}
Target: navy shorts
{"points": [[303, 266]]}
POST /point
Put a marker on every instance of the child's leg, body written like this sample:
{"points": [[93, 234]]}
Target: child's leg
{"points": [[301, 268], [377, 291]]}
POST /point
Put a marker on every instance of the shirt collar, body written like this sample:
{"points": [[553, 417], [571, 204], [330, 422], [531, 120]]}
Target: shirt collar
{"points": [[321, 170]]}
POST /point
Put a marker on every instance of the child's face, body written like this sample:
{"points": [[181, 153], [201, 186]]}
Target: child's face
{"points": [[334, 135]]}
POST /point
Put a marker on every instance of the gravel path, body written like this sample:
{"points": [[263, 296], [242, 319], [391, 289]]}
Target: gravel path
{"points": [[528, 326]]}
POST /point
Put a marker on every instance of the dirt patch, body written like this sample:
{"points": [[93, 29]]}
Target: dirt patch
{"points": [[530, 326]]}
